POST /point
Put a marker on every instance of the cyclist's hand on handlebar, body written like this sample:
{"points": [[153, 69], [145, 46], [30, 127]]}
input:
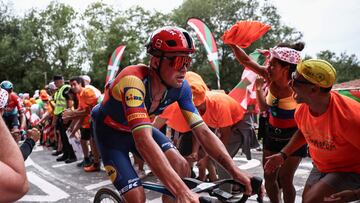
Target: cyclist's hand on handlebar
{"points": [[244, 179], [190, 197], [273, 162]]}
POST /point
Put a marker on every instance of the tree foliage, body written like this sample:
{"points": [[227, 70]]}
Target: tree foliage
{"points": [[58, 40]]}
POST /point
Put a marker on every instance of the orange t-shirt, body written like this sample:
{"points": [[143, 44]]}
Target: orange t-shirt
{"points": [[87, 100], [221, 111], [333, 137]]}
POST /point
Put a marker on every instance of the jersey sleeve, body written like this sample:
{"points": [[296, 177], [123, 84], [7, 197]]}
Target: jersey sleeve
{"points": [[19, 105], [131, 90], [188, 108]]}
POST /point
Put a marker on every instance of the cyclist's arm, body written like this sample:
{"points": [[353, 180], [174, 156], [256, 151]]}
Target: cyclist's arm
{"points": [[13, 179], [216, 149], [225, 134], [22, 121], [157, 161], [246, 61]]}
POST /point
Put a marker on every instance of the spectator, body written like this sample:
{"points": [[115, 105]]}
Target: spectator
{"points": [[329, 123], [63, 101]]}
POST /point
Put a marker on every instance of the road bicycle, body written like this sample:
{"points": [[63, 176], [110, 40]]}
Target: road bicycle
{"points": [[210, 192]]}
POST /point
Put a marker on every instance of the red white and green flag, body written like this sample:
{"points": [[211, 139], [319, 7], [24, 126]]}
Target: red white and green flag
{"points": [[352, 93], [114, 63], [244, 91], [207, 39]]}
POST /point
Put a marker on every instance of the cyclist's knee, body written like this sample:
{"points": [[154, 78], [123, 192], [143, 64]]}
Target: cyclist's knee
{"points": [[136, 195], [182, 168]]}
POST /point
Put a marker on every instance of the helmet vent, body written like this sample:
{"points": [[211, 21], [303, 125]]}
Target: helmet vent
{"points": [[171, 43], [189, 40]]}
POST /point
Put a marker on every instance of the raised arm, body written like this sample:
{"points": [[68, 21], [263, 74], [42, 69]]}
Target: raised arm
{"points": [[14, 183], [248, 62]]}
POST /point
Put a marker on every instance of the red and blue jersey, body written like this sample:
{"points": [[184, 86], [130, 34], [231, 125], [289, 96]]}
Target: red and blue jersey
{"points": [[13, 106], [127, 100]]}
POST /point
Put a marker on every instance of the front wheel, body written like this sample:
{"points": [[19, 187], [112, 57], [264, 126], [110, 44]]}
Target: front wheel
{"points": [[106, 195]]}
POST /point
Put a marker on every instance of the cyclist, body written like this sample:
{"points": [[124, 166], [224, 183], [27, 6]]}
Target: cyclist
{"points": [[122, 121], [329, 123], [13, 109]]}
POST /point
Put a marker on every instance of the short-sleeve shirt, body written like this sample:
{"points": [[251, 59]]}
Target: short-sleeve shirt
{"points": [[127, 100], [221, 111], [333, 137], [87, 99]]}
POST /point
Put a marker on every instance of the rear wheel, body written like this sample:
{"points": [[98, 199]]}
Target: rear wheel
{"points": [[106, 195]]}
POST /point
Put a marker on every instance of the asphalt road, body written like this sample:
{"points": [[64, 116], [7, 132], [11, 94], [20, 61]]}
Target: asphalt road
{"points": [[52, 181]]}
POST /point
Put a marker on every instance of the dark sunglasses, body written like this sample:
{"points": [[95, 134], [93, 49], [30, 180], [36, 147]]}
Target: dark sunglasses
{"points": [[179, 62], [297, 81]]}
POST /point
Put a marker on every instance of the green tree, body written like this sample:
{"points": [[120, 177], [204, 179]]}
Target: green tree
{"points": [[347, 66], [105, 29], [61, 39]]}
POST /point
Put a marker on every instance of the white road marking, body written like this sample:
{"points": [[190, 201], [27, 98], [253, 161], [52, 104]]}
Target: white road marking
{"points": [[249, 163], [53, 193], [65, 164], [97, 185]]}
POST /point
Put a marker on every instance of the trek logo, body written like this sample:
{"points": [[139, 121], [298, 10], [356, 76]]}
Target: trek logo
{"points": [[111, 172], [129, 187], [133, 97]]}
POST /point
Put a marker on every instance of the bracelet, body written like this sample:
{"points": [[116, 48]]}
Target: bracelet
{"points": [[283, 155]]}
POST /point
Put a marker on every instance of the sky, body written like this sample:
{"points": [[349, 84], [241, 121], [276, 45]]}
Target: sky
{"points": [[325, 24]]}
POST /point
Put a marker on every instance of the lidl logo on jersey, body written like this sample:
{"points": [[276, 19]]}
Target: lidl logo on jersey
{"points": [[133, 97], [111, 172]]}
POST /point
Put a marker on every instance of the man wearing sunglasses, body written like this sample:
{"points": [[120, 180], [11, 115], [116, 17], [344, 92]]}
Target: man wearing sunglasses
{"points": [[329, 123], [122, 122]]}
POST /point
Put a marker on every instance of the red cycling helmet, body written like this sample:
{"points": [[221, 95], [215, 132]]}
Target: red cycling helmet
{"points": [[170, 40]]}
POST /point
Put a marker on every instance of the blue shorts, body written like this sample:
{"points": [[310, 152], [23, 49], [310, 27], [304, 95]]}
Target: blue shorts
{"points": [[12, 121], [114, 147]]}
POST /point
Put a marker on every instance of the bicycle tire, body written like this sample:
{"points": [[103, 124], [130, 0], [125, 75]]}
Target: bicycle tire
{"points": [[107, 195]]}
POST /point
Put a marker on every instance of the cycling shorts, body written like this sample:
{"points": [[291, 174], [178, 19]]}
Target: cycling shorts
{"points": [[12, 121], [114, 147]]}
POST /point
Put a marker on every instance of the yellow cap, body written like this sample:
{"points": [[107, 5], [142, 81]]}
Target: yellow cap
{"points": [[318, 72], [198, 87]]}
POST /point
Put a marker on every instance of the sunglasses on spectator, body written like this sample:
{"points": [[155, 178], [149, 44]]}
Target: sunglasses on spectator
{"points": [[179, 62], [297, 81]]}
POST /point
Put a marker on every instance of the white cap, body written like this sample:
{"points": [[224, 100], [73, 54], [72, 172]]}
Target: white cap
{"points": [[52, 86], [86, 78]]}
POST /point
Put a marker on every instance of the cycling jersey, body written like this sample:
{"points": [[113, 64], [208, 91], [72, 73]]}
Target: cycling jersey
{"points": [[14, 106], [128, 99], [125, 107]]}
